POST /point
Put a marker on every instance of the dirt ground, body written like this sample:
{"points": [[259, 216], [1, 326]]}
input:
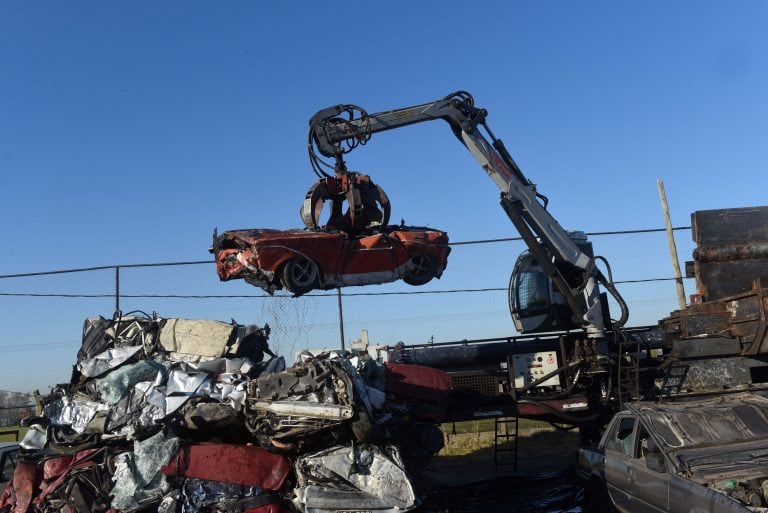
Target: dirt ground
{"points": [[469, 457]]}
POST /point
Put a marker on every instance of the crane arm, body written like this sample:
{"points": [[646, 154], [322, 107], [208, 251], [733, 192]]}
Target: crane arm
{"points": [[337, 130]]}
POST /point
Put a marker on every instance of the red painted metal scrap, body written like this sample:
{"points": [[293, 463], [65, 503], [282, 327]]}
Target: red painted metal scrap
{"points": [[238, 464], [57, 470], [426, 389], [269, 508], [22, 488]]}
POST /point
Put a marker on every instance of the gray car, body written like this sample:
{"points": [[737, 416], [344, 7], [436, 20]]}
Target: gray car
{"points": [[9, 455], [702, 455]]}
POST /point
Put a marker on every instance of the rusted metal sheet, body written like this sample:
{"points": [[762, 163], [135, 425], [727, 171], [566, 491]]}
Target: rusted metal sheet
{"points": [[732, 250], [742, 316], [702, 348], [730, 225], [715, 281]]}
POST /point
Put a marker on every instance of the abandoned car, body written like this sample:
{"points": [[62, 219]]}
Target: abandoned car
{"points": [[698, 455], [303, 260]]}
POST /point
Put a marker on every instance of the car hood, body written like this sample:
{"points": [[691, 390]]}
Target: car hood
{"points": [[741, 461]]}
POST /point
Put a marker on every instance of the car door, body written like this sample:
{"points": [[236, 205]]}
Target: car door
{"points": [[618, 445], [648, 487], [373, 259]]}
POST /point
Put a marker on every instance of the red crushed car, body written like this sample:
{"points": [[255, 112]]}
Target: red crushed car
{"points": [[304, 260]]}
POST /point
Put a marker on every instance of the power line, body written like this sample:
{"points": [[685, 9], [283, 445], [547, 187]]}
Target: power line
{"points": [[263, 296], [199, 262], [595, 234], [106, 267]]}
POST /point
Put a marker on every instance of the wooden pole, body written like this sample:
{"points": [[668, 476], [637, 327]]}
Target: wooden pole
{"points": [[117, 289], [672, 246]]}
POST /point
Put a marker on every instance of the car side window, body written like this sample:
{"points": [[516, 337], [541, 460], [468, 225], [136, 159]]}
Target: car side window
{"points": [[620, 439], [645, 443]]}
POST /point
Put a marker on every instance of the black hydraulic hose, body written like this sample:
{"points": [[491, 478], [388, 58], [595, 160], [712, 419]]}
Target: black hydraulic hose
{"points": [[549, 375], [562, 428], [618, 324], [592, 270], [570, 418], [564, 393]]}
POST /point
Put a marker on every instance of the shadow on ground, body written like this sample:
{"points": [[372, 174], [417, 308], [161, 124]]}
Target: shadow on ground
{"points": [[544, 481]]}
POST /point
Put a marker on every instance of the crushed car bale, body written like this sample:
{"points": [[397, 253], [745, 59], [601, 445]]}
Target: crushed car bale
{"points": [[184, 416]]}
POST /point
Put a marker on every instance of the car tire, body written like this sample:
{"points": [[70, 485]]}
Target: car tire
{"points": [[425, 269], [300, 275], [596, 498]]}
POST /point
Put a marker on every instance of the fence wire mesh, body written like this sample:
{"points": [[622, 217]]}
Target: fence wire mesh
{"points": [[41, 316]]}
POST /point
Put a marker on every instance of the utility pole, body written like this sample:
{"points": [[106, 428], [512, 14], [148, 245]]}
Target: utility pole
{"points": [[672, 246], [117, 288], [341, 317]]}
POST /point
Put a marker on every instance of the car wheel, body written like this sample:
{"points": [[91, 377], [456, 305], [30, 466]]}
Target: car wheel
{"points": [[300, 275], [596, 498], [425, 268]]}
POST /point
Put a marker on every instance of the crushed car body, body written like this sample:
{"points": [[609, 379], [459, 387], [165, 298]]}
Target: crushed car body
{"points": [[185, 416], [304, 260], [696, 455]]}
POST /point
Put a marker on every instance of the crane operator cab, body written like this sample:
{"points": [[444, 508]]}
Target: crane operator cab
{"points": [[535, 303]]}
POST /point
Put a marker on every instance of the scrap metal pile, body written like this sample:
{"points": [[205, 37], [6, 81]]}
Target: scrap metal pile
{"points": [[183, 416]]}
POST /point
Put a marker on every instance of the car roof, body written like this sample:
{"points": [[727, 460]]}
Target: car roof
{"points": [[8, 445], [718, 420]]}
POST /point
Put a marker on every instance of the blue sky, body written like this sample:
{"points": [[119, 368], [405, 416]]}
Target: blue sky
{"points": [[128, 131]]}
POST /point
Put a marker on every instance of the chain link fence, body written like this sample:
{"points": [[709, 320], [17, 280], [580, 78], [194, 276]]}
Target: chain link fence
{"points": [[41, 314]]}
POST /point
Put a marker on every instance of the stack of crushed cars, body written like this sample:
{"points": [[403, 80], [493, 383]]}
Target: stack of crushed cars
{"points": [[183, 416]]}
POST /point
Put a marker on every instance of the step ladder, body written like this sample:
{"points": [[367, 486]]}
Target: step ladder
{"points": [[505, 441]]}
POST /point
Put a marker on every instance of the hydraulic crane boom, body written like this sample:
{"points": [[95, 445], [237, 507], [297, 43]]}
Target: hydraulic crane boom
{"points": [[337, 130]]}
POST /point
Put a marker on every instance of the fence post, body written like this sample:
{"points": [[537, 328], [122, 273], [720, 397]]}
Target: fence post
{"points": [[341, 317]]}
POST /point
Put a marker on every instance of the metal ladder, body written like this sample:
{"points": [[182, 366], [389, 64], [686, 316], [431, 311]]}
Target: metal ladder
{"points": [[506, 429], [629, 371], [505, 441]]}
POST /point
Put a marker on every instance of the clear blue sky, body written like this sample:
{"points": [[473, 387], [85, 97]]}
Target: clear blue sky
{"points": [[129, 130]]}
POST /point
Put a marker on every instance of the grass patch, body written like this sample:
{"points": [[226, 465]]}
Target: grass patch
{"points": [[475, 438], [12, 433]]}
